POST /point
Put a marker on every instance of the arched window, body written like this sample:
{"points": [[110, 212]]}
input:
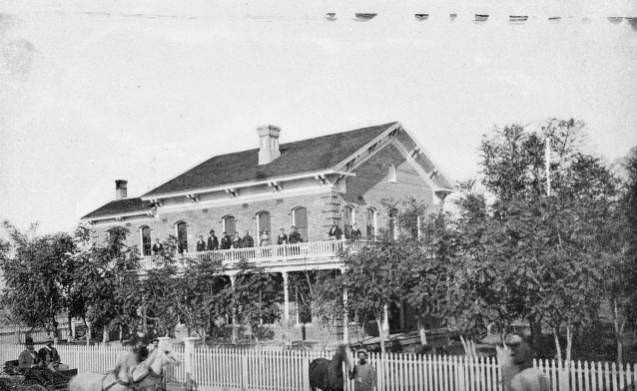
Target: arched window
{"points": [[392, 229], [372, 223], [182, 237], [228, 225], [391, 175], [145, 241], [299, 220], [349, 218], [263, 224]]}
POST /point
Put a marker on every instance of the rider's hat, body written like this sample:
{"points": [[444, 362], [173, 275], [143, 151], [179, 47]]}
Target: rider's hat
{"points": [[513, 340]]}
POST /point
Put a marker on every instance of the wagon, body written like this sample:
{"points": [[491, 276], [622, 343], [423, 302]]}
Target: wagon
{"points": [[12, 378]]}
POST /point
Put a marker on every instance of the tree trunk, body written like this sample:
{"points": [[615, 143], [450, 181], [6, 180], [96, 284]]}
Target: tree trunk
{"points": [[569, 341], [618, 328], [88, 333], [69, 318], [381, 335], [105, 334], [422, 332], [536, 332], [558, 348]]}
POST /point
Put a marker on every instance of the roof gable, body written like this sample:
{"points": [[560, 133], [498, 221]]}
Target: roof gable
{"points": [[303, 156], [118, 207]]}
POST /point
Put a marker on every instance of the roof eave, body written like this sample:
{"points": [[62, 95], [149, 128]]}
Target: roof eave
{"points": [[115, 216]]}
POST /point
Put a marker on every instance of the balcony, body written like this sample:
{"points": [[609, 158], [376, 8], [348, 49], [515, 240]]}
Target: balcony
{"points": [[320, 255]]}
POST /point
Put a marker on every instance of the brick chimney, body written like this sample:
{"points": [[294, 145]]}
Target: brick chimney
{"points": [[120, 189], [268, 143]]}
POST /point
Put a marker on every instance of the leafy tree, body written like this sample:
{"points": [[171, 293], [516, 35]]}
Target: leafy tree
{"points": [[35, 291]]}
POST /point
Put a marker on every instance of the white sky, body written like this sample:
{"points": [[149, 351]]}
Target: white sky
{"points": [[143, 90]]}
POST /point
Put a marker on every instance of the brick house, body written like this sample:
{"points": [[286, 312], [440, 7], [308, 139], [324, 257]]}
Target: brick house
{"points": [[348, 178]]}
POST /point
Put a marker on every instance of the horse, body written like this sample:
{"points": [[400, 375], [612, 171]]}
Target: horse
{"points": [[529, 379], [146, 377], [327, 375]]}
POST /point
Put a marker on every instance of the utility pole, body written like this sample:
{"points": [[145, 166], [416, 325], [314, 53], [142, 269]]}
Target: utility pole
{"points": [[547, 162]]}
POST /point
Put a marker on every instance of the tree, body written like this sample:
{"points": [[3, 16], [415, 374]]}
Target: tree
{"points": [[35, 290]]}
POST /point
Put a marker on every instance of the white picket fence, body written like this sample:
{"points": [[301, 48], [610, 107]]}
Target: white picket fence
{"points": [[17, 336], [259, 369]]}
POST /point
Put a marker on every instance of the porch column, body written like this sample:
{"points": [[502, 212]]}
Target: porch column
{"points": [[286, 299], [345, 317]]}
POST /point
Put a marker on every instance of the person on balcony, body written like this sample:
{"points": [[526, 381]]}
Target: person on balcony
{"points": [[201, 244], [335, 232], [264, 240], [356, 233], [157, 247], [213, 242], [226, 241], [282, 238], [236, 241], [247, 240], [294, 236]]}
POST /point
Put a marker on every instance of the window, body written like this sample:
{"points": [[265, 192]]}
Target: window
{"points": [[145, 240], [263, 224], [392, 231], [391, 175], [372, 221], [299, 220], [349, 218], [182, 237], [228, 225]]}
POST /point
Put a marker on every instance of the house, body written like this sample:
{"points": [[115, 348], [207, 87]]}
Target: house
{"points": [[350, 177]]}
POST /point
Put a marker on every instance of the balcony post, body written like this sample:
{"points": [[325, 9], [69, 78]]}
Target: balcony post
{"points": [[286, 299], [345, 318]]}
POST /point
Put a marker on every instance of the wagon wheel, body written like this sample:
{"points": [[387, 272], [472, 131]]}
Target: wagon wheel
{"points": [[35, 387]]}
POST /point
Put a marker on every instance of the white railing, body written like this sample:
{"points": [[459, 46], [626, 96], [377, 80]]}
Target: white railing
{"points": [[270, 254], [228, 368]]}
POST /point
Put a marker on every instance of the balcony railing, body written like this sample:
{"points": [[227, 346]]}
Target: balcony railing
{"points": [[265, 255]]}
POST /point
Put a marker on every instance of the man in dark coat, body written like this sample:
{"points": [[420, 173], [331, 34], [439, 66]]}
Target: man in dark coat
{"points": [[335, 232], [226, 241], [247, 240], [213, 242], [356, 233], [201, 244], [29, 357], [294, 236], [282, 238], [157, 247], [49, 355]]}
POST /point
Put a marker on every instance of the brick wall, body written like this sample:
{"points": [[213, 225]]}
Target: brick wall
{"points": [[370, 188]]}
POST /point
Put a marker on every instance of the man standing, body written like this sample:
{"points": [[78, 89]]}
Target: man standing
{"points": [[364, 374], [29, 358], [201, 244], [282, 238], [157, 247], [213, 242], [295, 236], [356, 233], [335, 232], [226, 241], [247, 240]]}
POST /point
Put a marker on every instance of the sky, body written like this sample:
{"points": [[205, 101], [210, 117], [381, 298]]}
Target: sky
{"points": [[143, 90]]}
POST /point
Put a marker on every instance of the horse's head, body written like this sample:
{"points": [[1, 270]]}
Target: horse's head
{"points": [[161, 357]]}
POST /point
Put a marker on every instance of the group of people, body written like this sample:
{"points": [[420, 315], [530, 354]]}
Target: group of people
{"points": [[47, 357], [336, 233], [227, 241]]}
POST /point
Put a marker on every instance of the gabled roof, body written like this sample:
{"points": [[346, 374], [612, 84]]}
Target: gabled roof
{"points": [[298, 157], [119, 207]]}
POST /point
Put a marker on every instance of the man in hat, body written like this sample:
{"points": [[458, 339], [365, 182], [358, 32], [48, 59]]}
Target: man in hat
{"points": [[212, 243], [364, 374], [49, 356], [521, 353], [29, 357]]}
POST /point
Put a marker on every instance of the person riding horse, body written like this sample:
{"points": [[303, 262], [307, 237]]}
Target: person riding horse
{"points": [[128, 362]]}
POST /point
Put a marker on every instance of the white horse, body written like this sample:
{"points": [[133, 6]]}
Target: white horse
{"points": [[530, 379], [147, 376]]}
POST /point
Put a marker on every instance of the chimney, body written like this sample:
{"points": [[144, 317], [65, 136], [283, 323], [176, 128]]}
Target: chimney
{"points": [[120, 189], [268, 143]]}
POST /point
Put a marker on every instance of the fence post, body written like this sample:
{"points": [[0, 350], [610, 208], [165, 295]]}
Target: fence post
{"points": [[189, 358], [460, 378], [244, 371], [305, 372]]}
